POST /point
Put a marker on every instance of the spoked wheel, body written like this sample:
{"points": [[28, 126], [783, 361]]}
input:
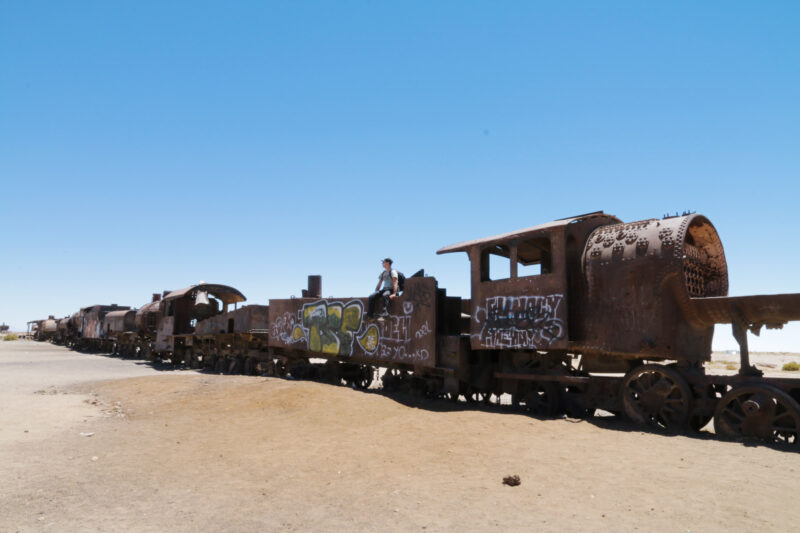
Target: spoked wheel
{"points": [[221, 365], [759, 411], [657, 396], [249, 366], [542, 398], [279, 368], [698, 419], [364, 378]]}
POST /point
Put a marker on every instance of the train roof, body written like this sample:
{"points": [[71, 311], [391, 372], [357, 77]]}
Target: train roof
{"points": [[122, 313], [466, 245], [227, 294]]}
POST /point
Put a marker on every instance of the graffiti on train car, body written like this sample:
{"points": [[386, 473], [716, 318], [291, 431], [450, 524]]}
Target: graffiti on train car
{"points": [[284, 326], [336, 328], [520, 322], [340, 327], [330, 327]]}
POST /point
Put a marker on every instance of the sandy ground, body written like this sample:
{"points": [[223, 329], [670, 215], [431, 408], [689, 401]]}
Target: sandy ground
{"points": [[182, 451], [770, 363]]}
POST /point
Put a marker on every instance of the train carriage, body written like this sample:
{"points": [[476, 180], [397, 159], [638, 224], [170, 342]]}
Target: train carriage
{"points": [[338, 330]]}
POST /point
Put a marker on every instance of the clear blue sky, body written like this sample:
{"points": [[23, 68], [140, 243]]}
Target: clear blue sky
{"points": [[150, 145]]}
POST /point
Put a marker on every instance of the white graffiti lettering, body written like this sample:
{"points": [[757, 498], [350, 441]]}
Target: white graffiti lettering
{"points": [[423, 331], [523, 322]]}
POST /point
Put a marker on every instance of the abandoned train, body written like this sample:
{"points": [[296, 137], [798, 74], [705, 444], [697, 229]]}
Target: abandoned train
{"points": [[571, 316]]}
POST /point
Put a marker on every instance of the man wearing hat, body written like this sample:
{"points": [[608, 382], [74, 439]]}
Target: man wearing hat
{"points": [[387, 287]]}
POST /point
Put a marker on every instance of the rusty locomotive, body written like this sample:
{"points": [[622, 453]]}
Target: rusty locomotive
{"points": [[577, 315]]}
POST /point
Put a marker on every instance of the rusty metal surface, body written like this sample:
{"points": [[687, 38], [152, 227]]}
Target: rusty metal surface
{"points": [[518, 234], [164, 331], [772, 310], [339, 327], [638, 280], [182, 309], [516, 310], [147, 317], [250, 319], [120, 321], [91, 320], [224, 293]]}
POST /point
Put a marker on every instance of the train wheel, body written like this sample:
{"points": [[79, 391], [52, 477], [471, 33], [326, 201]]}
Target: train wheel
{"points": [[759, 411], [364, 379], [702, 397], [658, 396], [542, 398], [249, 366], [221, 365]]}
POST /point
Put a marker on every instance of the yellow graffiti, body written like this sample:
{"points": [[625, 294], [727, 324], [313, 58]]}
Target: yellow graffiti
{"points": [[314, 342], [351, 319], [331, 326], [297, 333], [369, 340]]}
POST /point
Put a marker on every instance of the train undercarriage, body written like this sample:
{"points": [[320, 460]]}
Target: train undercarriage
{"points": [[665, 396]]}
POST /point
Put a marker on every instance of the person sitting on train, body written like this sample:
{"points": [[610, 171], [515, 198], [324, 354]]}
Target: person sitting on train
{"points": [[387, 288]]}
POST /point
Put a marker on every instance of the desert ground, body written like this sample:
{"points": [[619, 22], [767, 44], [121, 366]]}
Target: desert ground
{"points": [[93, 443]]}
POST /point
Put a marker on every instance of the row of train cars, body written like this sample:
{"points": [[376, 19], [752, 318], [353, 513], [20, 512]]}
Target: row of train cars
{"points": [[573, 316]]}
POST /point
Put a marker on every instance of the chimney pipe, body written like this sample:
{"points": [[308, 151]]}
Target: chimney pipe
{"points": [[315, 286]]}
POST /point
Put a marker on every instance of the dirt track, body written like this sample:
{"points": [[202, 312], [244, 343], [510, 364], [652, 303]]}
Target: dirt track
{"points": [[184, 451]]}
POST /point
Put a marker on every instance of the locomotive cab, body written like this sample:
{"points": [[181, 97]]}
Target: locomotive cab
{"points": [[181, 309], [520, 284]]}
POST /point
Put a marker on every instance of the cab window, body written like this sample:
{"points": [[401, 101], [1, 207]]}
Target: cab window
{"points": [[495, 263], [534, 257]]}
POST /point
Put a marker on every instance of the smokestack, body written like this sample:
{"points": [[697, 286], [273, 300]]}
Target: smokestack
{"points": [[315, 286], [156, 297]]}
